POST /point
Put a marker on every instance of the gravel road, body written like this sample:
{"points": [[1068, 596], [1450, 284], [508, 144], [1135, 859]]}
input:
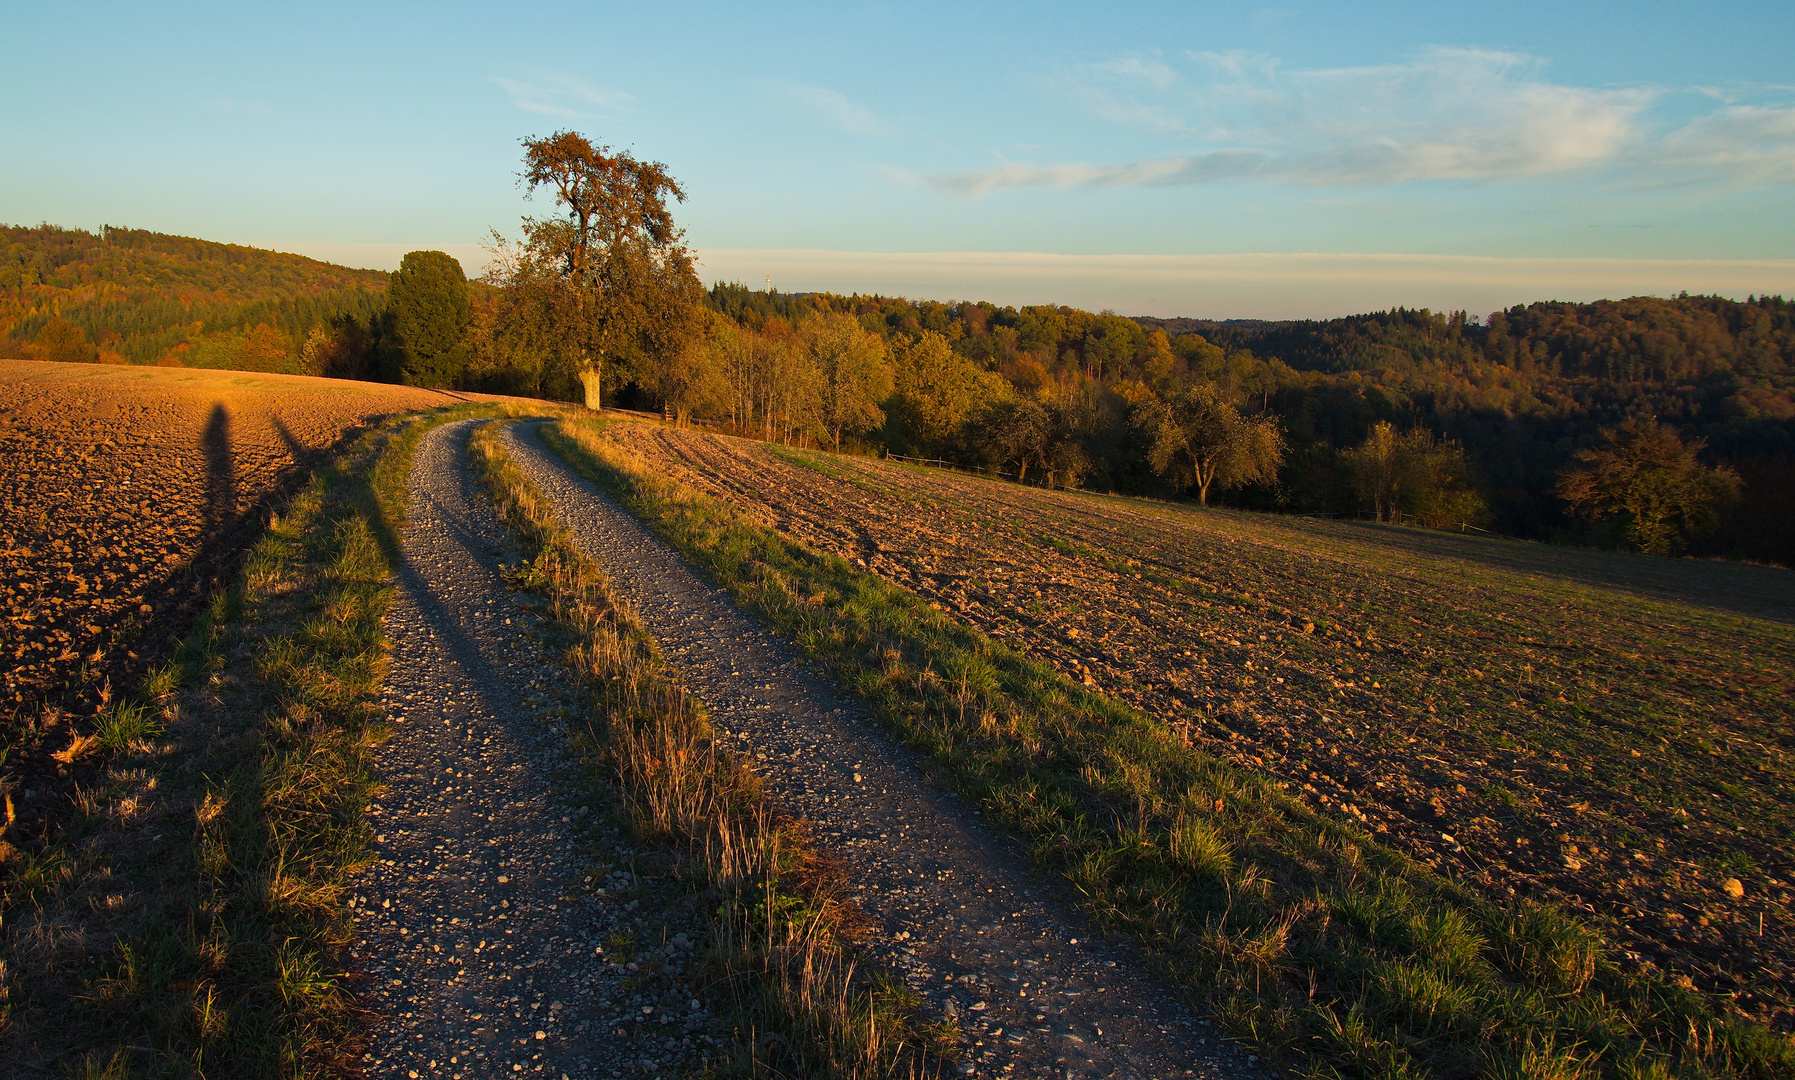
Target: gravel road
{"points": [[964, 917], [503, 930]]}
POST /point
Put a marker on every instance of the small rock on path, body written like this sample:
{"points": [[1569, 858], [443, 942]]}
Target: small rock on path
{"points": [[492, 927], [964, 916]]}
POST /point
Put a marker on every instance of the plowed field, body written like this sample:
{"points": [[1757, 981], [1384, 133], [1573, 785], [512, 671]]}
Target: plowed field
{"points": [[1603, 730], [122, 492]]}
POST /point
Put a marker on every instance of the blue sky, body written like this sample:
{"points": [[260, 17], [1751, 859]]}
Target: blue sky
{"points": [[1203, 159]]}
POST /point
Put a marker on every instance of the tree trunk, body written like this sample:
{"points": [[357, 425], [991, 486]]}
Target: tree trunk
{"points": [[589, 378]]}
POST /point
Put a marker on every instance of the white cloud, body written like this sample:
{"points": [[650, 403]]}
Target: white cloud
{"points": [[832, 107], [1122, 108], [1221, 165], [561, 95], [1753, 144], [1450, 114]]}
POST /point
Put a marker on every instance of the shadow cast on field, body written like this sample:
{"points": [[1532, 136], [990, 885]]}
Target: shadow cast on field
{"points": [[221, 477], [226, 536], [494, 692], [1747, 589]]}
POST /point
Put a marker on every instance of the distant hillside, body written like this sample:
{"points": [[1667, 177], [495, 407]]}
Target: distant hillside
{"points": [[1640, 339], [1519, 395], [131, 296], [1525, 388]]}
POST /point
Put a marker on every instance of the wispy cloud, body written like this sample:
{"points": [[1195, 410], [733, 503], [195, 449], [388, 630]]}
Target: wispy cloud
{"points": [[561, 95], [1740, 144], [831, 106], [1114, 91], [1447, 115], [1149, 70]]}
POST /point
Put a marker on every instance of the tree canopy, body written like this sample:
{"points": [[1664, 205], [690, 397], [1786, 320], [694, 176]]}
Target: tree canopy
{"points": [[612, 282], [1199, 439], [1645, 477], [1415, 476], [852, 371], [428, 298]]}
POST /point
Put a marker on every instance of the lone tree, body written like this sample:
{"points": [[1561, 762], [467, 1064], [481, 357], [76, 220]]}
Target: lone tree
{"points": [[429, 303], [1198, 439], [620, 284], [1645, 478]]}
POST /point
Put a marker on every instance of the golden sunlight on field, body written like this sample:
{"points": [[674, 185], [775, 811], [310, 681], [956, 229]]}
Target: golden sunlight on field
{"points": [[1600, 729], [122, 494]]}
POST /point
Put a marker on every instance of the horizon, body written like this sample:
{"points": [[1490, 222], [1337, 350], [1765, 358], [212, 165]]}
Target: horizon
{"points": [[1572, 271], [1229, 161]]}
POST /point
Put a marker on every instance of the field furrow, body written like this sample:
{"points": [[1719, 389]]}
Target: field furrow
{"points": [[124, 494], [1605, 730]]}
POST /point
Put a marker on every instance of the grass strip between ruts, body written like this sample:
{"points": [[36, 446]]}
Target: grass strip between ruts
{"points": [[1304, 935], [190, 919], [781, 959]]}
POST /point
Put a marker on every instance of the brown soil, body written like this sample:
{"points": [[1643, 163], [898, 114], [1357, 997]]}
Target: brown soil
{"points": [[124, 493], [1605, 731]]}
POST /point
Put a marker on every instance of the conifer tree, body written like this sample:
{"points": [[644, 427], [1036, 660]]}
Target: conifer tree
{"points": [[429, 303]]}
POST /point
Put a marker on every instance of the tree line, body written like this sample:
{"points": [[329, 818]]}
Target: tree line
{"points": [[1663, 425], [132, 296]]}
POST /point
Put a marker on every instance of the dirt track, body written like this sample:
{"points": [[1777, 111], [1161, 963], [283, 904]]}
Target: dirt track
{"points": [[1477, 703], [123, 493], [503, 925], [963, 916]]}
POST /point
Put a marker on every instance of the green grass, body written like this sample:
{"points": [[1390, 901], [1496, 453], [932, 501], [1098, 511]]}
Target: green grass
{"points": [[1392, 673], [781, 962], [188, 918], [803, 460], [1304, 934]]}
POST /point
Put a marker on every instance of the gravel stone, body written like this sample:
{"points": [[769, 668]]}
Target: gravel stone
{"points": [[504, 930], [973, 926]]}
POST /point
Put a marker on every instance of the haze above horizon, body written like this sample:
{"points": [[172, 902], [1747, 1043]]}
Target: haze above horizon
{"points": [[1205, 160]]}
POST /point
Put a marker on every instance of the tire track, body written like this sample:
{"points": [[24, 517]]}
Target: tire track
{"points": [[495, 926], [963, 915]]}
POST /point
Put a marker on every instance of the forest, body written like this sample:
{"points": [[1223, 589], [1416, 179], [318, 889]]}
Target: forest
{"points": [[1500, 423], [127, 296]]}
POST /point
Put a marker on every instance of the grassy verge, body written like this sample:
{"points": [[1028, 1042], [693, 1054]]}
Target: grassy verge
{"points": [[189, 919], [1303, 934], [782, 956]]}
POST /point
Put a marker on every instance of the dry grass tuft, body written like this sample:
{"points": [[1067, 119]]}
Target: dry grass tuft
{"points": [[1307, 935], [188, 920], [781, 941]]}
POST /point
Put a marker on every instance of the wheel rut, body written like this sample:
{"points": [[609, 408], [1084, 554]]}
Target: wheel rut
{"points": [[502, 929], [960, 912]]}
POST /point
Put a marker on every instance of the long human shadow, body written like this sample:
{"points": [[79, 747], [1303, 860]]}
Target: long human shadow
{"points": [[221, 477], [226, 536]]}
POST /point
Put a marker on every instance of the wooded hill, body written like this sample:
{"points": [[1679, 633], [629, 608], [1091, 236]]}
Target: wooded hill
{"points": [[1524, 389], [1520, 394], [131, 296], [1502, 406]]}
